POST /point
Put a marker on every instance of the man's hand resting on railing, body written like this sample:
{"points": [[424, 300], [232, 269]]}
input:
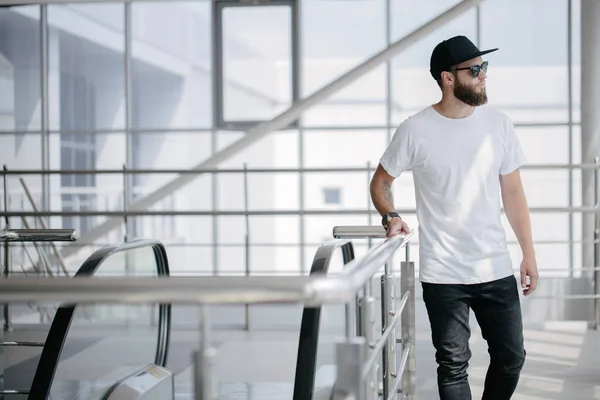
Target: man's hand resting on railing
{"points": [[397, 227]]}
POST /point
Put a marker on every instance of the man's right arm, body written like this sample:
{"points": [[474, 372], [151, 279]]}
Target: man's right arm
{"points": [[381, 191], [383, 200]]}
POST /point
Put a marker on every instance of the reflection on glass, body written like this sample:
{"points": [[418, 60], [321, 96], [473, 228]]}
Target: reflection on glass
{"points": [[344, 148], [86, 94], [257, 79], [110, 340], [337, 37], [86, 54], [362, 103], [156, 151], [20, 100], [510, 86], [19, 72], [171, 68], [278, 149]]}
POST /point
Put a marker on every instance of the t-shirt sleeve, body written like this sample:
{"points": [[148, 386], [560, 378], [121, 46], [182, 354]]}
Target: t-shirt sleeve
{"points": [[399, 155], [514, 156]]}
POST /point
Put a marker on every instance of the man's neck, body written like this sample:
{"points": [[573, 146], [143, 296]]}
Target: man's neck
{"points": [[451, 107]]}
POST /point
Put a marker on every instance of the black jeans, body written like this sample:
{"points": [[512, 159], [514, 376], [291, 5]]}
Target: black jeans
{"points": [[497, 308]]}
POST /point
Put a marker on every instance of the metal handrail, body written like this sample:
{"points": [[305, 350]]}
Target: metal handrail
{"points": [[270, 212], [212, 290], [359, 231], [135, 171], [38, 235], [366, 347]]}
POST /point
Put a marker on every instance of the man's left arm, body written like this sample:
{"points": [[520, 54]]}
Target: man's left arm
{"points": [[517, 212]]}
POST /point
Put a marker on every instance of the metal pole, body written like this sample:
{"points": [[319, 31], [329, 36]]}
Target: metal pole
{"points": [[6, 260], [367, 319], [596, 245], [407, 283], [129, 159], [205, 388], [389, 76], [302, 227], [301, 205], [6, 269], [128, 254], [590, 117], [247, 245], [350, 357], [214, 202], [350, 319], [45, 121], [125, 203], [570, 113], [285, 118], [388, 307], [128, 97], [44, 125], [385, 371]]}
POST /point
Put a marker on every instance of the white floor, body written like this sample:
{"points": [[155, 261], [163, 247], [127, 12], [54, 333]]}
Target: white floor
{"points": [[563, 362]]}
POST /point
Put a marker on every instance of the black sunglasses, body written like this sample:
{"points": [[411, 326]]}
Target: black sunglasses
{"points": [[475, 69]]}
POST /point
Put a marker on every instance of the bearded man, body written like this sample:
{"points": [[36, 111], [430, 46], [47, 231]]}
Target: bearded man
{"points": [[465, 157]]}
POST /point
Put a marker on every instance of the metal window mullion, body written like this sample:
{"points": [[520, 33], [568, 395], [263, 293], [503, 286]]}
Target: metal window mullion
{"points": [[388, 64], [570, 134], [45, 122], [296, 93], [217, 112]]}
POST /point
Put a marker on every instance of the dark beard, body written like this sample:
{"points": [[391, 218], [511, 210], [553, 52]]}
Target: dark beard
{"points": [[468, 95]]}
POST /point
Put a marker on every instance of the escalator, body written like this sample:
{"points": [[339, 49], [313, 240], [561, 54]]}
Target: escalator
{"points": [[124, 344], [315, 365], [125, 347]]}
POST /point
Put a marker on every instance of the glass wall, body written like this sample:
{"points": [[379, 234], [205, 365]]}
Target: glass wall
{"points": [[156, 86]]}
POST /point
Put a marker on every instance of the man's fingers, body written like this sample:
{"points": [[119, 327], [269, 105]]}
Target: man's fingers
{"points": [[533, 280], [523, 278], [532, 285], [392, 231]]}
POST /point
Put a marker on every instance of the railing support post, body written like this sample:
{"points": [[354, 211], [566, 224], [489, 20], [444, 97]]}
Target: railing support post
{"points": [[205, 387], [388, 308], [367, 319], [596, 244], [350, 358], [407, 283]]}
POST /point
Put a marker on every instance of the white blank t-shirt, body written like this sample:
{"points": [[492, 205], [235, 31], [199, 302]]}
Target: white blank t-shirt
{"points": [[456, 166]]}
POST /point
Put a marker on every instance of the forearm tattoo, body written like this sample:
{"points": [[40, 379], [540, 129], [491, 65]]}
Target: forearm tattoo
{"points": [[387, 193]]}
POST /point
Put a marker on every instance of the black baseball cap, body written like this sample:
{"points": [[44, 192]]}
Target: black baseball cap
{"points": [[451, 52]]}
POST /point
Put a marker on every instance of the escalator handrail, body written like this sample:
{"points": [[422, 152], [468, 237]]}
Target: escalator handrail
{"points": [[59, 329], [306, 361]]}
